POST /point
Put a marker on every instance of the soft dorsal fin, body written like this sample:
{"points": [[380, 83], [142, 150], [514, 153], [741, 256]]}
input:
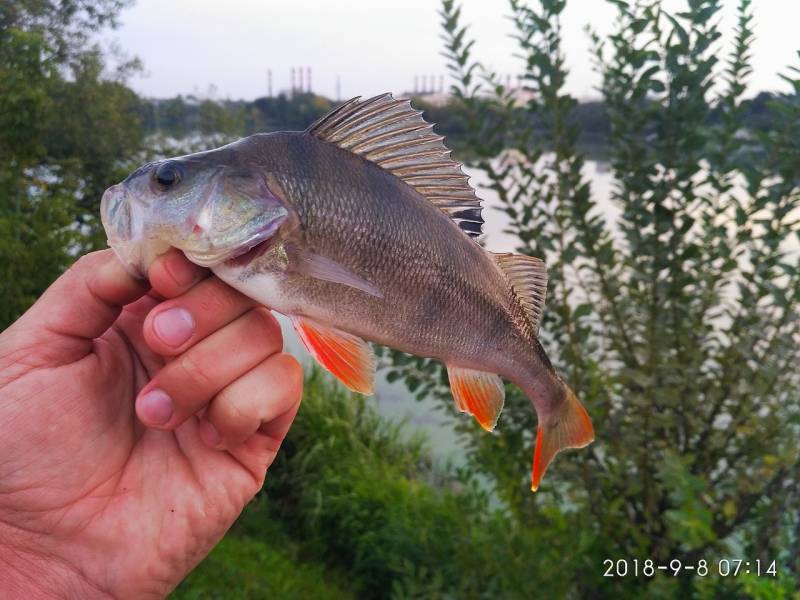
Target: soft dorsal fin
{"points": [[528, 278], [391, 134]]}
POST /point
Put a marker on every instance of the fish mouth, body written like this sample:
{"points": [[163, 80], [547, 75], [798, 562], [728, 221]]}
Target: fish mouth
{"points": [[213, 257], [119, 225], [245, 258]]}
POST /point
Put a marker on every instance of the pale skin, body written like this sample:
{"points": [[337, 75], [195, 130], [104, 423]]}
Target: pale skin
{"points": [[135, 424]]}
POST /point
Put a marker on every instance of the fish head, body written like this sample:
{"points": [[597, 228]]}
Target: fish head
{"points": [[209, 205]]}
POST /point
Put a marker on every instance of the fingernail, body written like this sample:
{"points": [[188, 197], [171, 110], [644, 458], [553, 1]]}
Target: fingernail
{"points": [[174, 326], [209, 434], [182, 271], [155, 408]]}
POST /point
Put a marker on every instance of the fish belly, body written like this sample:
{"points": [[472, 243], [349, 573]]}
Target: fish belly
{"points": [[267, 288]]}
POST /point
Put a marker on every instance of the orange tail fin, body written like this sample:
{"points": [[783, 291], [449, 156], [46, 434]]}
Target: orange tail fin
{"points": [[570, 427]]}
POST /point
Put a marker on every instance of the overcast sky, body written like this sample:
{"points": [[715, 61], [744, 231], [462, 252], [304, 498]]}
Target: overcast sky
{"points": [[187, 46]]}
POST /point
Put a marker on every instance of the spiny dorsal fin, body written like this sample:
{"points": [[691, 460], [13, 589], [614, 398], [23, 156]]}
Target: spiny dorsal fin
{"points": [[391, 134], [528, 278]]}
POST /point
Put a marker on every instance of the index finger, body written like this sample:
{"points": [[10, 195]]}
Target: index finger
{"points": [[172, 274]]}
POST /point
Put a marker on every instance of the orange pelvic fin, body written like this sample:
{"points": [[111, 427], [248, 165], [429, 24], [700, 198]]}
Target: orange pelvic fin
{"points": [[478, 393], [346, 356], [569, 427]]}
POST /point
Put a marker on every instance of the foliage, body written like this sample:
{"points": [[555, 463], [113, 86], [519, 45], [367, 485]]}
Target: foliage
{"points": [[257, 560], [53, 170], [673, 312], [182, 116], [66, 25], [366, 500], [354, 507]]}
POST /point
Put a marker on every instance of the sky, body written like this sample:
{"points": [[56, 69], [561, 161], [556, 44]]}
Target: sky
{"points": [[223, 49]]}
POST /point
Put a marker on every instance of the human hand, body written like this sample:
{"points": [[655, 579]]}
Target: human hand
{"points": [[93, 502]]}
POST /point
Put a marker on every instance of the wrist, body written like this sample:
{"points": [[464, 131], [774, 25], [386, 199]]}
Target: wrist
{"points": [[31, 573]]}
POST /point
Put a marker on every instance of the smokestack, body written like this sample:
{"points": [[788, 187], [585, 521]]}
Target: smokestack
{"points": [[441, 84], [308, 79], [291, 89], [269, 83], [416, 84], [338, 88], [300, 79]]}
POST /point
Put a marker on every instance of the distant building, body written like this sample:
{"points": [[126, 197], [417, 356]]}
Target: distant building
{"points": [[433, 98]]}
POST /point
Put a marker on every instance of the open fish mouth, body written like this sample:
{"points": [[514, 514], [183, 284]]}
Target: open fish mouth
{"points": [[215, 256]]}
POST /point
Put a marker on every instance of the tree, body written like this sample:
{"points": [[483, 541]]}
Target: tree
{"points": [[66, 130], [675, 318]]}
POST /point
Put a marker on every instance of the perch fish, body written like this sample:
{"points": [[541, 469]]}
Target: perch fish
{"points": [[360, 228]]}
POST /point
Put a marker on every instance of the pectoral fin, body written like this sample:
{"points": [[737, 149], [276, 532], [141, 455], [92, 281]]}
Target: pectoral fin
{"points": [[478, 393], [321, 267], [346, 356]]}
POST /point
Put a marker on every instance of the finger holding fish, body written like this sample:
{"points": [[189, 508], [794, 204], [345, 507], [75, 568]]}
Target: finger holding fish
{"points": [[172, 274], [179, 323]]}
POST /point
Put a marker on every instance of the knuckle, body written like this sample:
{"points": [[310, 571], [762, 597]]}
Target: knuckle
{"points": [[293, 373], [267, 324], [233, 411], [217, 298], [193, 371], [86, 262]]}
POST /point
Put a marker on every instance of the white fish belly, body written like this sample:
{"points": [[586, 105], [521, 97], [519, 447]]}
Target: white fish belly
{"points": [[265, 288]]}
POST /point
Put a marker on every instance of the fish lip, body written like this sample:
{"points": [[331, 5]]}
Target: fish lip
{"points": [[131, 265], [119, 231]]}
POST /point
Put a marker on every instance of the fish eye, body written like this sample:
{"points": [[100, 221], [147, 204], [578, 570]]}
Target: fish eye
{"points": [[168, 174]]}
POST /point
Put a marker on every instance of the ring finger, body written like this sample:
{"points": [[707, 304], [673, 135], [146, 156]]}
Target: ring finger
{"points": [[260, 396]]}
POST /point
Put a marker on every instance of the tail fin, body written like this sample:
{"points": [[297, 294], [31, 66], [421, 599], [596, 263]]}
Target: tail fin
{"points": [[569, 427]]}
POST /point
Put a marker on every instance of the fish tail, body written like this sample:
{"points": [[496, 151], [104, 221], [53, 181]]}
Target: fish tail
{"points": [[568, 426], [565, 422]]}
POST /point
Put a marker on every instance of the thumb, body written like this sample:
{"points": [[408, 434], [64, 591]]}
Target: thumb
{"points": [[81, 305]]}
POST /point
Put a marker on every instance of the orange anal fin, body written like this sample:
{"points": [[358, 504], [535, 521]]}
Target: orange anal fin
{"points": [[478, 393], [570, 427], [349, 358]]}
